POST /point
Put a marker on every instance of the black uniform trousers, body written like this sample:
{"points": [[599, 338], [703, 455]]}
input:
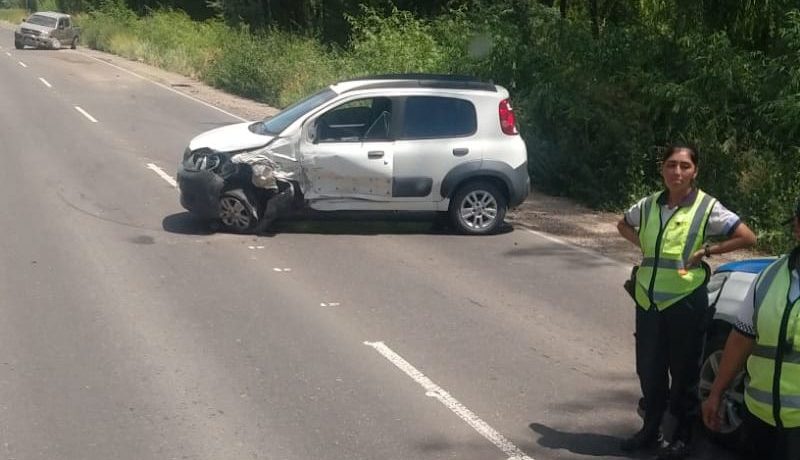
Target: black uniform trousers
{"points": [[669, 345], [767, 442]]}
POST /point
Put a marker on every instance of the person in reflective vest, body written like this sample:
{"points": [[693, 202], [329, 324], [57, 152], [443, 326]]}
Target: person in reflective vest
{"points": [[671, 227], [766, 335]]}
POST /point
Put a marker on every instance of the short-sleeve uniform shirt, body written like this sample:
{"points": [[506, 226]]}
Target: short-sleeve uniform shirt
{"points": [[721, 221], [744, 316]]}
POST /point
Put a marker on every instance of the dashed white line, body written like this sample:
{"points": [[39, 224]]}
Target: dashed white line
{"points": [[166, 87], [162, 174], [22, 64], [435, 391], [85, 114], [8, 54], [45, 82]]}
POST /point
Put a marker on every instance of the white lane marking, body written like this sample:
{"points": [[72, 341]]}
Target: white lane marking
{"points": [[281, 270], [22, 64], [8, 54], [45, 82], [255, 247], [85, 114], [329, 304], [435, 391], [163, 175], [166, 88]]}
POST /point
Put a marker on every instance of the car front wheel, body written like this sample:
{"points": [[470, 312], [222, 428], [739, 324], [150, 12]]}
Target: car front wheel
{"points": [[236, 212], [74, 43], [18, 45], [732, 407], [478, 208]]}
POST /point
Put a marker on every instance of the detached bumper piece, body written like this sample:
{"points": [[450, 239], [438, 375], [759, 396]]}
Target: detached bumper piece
{"points": [[200, 192]]}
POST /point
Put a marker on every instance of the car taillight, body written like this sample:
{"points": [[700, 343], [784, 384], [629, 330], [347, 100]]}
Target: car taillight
{"points": [[507, 121]]}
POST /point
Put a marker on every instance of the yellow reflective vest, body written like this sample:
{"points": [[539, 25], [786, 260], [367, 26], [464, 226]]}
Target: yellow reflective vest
{"points": [[773, 390], [663, 277]]}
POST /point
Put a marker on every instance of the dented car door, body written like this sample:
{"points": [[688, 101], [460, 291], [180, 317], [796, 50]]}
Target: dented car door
{"points": [[347, 151]]}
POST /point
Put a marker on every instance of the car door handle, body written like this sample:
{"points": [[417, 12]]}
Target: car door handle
{"points": [[375, 154], [460, 152]]}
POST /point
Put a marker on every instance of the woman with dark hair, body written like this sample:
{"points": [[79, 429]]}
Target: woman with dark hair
{"points": [[671, 227]]}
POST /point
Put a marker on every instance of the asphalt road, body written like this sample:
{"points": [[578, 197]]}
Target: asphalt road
{"points": [[127, 331]]}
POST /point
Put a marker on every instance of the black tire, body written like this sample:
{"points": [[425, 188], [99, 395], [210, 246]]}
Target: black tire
{"points": [[237, 212], [478, 208], [18, 45], [731, 432], [74, 43]]}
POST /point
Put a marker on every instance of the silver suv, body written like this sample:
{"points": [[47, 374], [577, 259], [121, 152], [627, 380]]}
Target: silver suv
{"points": [[385, 143]]}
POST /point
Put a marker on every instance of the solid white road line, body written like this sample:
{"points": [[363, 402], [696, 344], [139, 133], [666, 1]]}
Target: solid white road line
{"points": [[166, 87], [45, 82], [85, 114], [163, 175], [22, 64], [435, 391]]}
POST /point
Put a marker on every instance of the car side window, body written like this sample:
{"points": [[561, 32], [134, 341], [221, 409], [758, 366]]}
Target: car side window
{"points": [[356, 121], [65, 23], [432, 117]]}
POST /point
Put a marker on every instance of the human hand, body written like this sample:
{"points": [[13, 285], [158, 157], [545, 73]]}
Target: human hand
{"points": [[696, 258], [711, 415]]}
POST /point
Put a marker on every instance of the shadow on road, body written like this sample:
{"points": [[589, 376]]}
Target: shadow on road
{"points": [[184, 223], [332, 223], [591, 444]]}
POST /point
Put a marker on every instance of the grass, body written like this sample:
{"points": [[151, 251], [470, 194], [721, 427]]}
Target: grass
{"points": [[14, 16]]}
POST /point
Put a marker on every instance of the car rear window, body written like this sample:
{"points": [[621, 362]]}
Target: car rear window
{"points": [[430, 117]]}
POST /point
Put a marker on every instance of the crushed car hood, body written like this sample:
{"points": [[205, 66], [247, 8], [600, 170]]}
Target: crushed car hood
{"points": [[230, 138]]}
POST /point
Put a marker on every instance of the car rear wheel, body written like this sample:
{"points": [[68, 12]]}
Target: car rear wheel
{"points": [[478, 208], [237, 213], [732, 407]]}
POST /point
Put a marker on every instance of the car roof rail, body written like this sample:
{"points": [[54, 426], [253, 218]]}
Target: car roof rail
{"points": [[423, 80]]}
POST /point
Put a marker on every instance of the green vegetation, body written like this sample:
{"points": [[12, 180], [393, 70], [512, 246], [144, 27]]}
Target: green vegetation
{"points": [[13, 16], [601, 87]]}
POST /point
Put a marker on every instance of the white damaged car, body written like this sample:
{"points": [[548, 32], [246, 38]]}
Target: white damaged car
{"points": [[387, 143]]}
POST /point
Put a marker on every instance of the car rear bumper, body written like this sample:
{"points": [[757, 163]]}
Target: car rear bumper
{"points": [[520, 185]]}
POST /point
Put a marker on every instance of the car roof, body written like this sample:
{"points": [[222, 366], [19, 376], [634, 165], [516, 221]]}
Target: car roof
{"points": [[415, 80], [51, 14], [755, 266]]}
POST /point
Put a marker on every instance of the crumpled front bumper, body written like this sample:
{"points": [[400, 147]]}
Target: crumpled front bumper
{"points": [[33, 40], [200, 192]]}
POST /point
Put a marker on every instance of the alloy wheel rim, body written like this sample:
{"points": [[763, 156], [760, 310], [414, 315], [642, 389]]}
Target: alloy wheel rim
{"points": [[478, 210], [732, 401], [234, 214]]}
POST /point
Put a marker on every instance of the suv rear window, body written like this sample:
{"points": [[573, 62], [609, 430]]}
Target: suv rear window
{"points": [[430, 117]]}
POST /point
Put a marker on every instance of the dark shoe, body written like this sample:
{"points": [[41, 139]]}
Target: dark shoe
{"points": [[641, 440], [676, 450]]}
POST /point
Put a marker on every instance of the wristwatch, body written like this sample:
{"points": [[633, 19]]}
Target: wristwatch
{"points": [[707, 250]]}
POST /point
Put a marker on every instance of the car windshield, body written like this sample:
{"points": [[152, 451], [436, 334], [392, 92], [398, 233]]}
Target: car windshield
{"points": [[287, 116], [40, 20]]}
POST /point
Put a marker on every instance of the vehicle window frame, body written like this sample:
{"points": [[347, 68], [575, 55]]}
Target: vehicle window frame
{"points": [[401, 135], [362, 138], [320, 97]]}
